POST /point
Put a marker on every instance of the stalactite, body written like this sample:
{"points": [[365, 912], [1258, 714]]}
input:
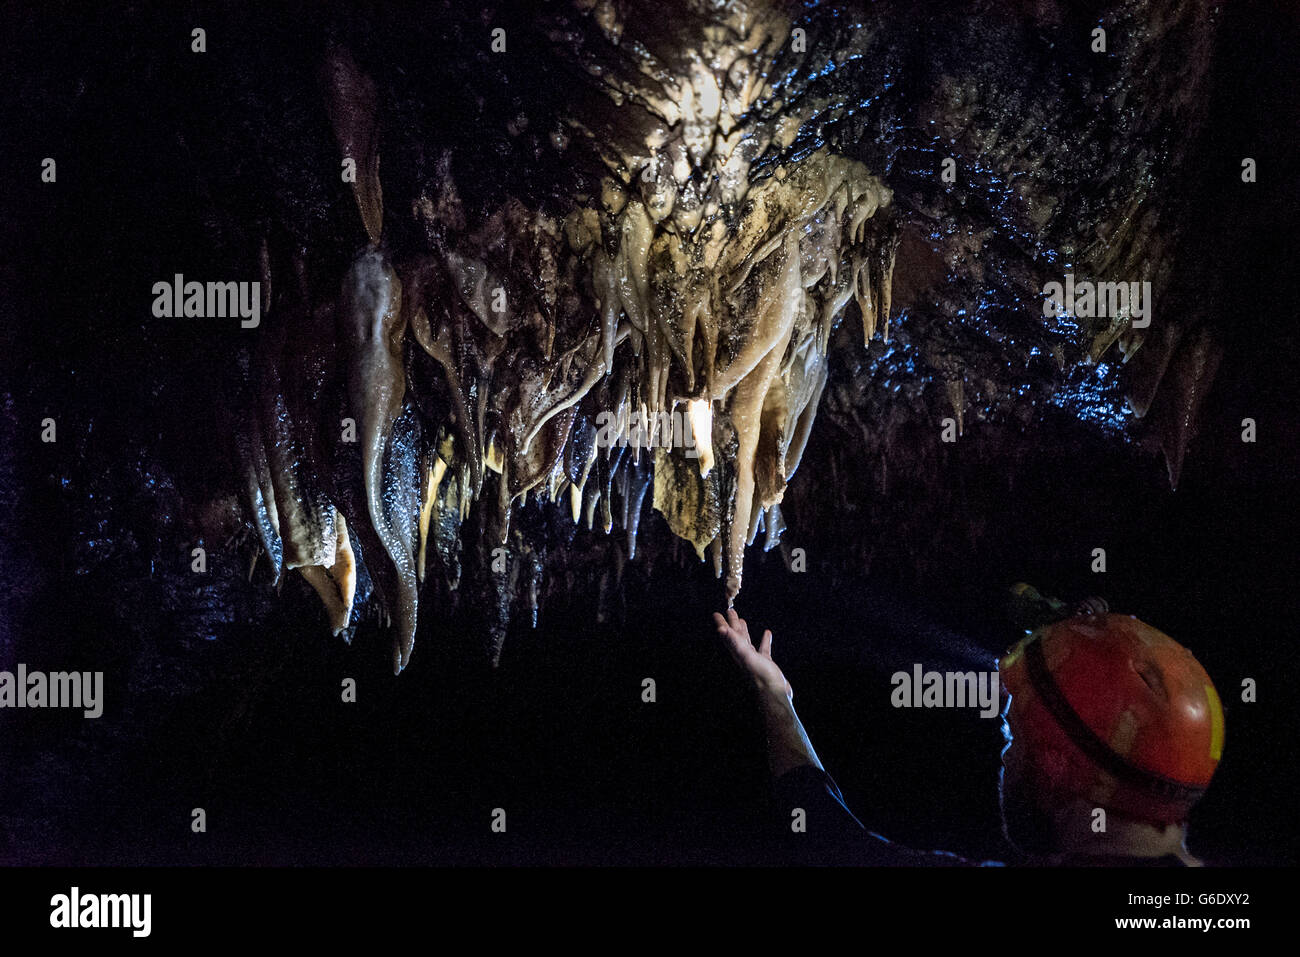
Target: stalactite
{"points": [[373, 331], [1191, 372], [352, 102], [670, 333]]}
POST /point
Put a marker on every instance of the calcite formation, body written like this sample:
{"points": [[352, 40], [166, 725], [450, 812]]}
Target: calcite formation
{"points": [[687, 288], [694, 230]]}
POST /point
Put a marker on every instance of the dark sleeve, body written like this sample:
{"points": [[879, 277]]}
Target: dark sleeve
{"points": [[827, 832], [825, 814]]}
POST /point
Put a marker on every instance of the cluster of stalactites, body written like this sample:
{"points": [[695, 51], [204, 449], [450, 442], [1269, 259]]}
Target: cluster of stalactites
{"points": [[644, 341]]}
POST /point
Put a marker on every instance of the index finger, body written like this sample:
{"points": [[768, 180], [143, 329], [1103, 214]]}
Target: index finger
{"points": [[737, 642]]}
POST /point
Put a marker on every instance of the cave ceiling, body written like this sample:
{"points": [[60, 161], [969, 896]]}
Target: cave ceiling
{"points": [[526, 269]]}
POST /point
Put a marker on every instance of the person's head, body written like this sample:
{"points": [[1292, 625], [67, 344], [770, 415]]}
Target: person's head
{"points": [[1114, 728]]}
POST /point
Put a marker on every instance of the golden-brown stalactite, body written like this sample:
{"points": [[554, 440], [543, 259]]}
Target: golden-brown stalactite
{"points": [[352, 102]]}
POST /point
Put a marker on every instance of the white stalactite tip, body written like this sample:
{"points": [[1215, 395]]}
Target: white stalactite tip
{"points": [[700, 414]]}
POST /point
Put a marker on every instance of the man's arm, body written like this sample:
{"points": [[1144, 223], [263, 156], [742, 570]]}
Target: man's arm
{"points": [[788, 745], [831, 832], [802, 791]]}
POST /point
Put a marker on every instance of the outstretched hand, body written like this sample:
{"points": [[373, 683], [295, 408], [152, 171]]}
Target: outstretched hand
{"points": [[788, 746], [757, 662]]}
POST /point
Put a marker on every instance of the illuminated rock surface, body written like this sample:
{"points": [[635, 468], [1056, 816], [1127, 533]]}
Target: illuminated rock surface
{"points": [[715, 225]]}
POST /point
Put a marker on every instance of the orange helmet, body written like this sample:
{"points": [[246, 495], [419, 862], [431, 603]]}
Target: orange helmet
{"points": [[1113, 711]]}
